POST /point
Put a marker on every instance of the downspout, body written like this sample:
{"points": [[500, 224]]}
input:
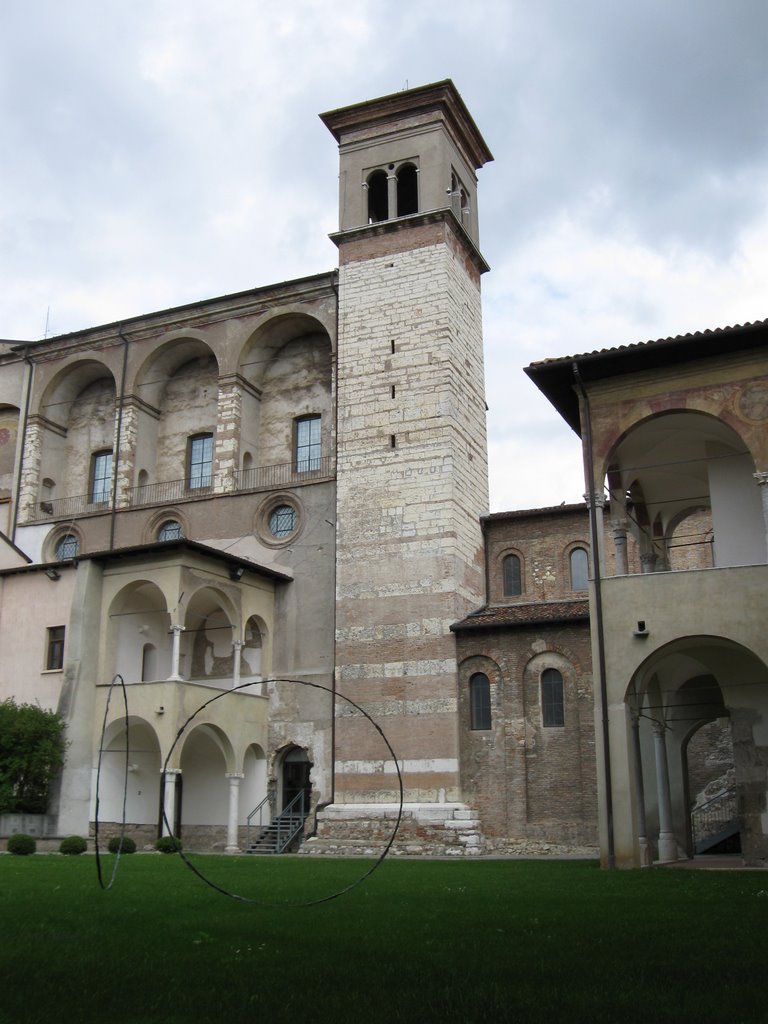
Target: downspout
{"points": [[599, 628], [27, 400], [116, 459], [484, 532]]}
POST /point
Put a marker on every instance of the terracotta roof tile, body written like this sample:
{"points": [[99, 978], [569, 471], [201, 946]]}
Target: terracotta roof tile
{"points": [[499, 616]]}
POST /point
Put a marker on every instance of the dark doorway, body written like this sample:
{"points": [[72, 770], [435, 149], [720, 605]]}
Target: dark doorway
{"points": [[296, 769]]}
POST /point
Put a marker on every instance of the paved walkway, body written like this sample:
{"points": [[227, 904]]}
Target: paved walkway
{"points": [[722, 862]]}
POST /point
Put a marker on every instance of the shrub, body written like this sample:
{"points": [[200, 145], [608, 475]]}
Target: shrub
{"points": [[20, 844], [31, 753], [73, 845], [168, 844], [127, 846]]}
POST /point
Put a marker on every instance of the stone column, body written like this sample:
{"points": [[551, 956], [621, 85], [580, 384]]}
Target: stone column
{"points": [[762, 483], [237, 648], [619, 528], [30, 472], [234, 811], [229, 414], [125, 457], [599, 507], [648, 561], [646, 859], [176, 653], [392, 194], [169, 798], [667, 841]]}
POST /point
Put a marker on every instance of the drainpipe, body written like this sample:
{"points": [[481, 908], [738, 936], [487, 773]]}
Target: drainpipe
{"points": [[27, 400], [116, 459], [600, 633]]}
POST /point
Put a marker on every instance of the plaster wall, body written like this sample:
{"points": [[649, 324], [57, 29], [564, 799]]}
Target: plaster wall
{"points": [[737, 517]]}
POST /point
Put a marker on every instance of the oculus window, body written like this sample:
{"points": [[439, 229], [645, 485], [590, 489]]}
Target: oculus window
{"points": [[282, 521], [67, 546]]}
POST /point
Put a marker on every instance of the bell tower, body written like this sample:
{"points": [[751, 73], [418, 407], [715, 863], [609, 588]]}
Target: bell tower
{"points": [[411, 439]]}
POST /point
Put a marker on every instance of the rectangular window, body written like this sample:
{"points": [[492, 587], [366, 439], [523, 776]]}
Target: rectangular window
{"points": [[200, 461], [101, 477], [307, 444], [54, 656], [552, 704]]}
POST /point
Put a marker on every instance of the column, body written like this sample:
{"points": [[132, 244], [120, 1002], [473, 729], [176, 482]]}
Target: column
{"points": [[234, 811], [646, 859], [392, 194], [667, 841], [237, 647], [648, 561], [619, 529], [762, 483], [169, 798], [598, 504], [176, 653]]}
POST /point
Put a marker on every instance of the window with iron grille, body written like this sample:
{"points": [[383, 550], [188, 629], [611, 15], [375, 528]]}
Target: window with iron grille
{"points": [[67, 547], [170, 530], [282, 521]]}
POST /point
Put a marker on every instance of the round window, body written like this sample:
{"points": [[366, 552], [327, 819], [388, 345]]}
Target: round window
{"points": [[282, 521]]}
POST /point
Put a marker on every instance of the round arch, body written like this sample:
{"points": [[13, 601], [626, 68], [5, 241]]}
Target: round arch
{"points": [[211, 623], [138, 640], [143, 784]]}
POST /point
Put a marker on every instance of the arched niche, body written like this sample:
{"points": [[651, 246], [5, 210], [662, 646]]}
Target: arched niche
{"points": [[209, 630], [143, 789], [676, 464], [206, 757], [139, 620]]}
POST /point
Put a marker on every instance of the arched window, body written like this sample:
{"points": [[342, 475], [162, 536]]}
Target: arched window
{"points": [[579, 569], [67, 546], [170, 530], [513, 576], [479, 701], [552, 708], [378, 200], [407, 190]]}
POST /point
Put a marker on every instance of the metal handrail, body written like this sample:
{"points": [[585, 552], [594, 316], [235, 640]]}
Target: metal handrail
{"points": [[168, 491], [287, 824], [258, 809], [283, 474], [78, 505], [710, 817]]}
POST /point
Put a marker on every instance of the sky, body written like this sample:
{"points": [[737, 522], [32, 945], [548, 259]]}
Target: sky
{"points": [[158, 152]]}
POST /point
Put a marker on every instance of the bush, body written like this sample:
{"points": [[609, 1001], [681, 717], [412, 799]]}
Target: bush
{"points": [[31, 753], [128, 845], [168, 844], [20, 844], [73, 845]]}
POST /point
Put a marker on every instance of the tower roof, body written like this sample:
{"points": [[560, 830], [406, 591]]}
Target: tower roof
{"points": [[439, 98]]}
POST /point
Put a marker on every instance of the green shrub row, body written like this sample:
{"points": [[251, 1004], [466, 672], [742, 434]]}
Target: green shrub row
{"points": [[22, 845]]}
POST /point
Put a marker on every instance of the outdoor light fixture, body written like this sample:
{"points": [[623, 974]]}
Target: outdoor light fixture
{"points": [[641, 630], [236, 573], [53, 574]]}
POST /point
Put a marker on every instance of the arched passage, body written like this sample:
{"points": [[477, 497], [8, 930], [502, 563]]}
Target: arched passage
{"points": [[143, 790]]}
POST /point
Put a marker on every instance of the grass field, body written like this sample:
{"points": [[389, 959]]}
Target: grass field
{"points": [[420, 941]]}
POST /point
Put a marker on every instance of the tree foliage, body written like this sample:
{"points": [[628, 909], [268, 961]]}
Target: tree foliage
{"points": [[31, 753]]}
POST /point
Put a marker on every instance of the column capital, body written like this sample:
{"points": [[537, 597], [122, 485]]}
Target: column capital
{"points": [[238, 644], [659, 728], [171, 771], [177, 629], [234, 775], [598, 498], [761, 476], [619, 525]]}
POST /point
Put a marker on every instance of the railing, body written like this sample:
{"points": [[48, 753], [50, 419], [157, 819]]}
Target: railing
{"points": [[169, 491], [268, 477], [68, 508], [714, 816], [285, 827]]}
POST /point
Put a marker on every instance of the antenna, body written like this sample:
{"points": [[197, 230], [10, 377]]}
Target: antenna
{"points": [[47, 321]]}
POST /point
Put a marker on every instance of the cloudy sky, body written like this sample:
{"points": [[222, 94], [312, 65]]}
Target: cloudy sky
{"points": [[157, 152]]}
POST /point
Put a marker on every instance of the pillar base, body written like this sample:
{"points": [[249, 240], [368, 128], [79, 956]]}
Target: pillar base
{"points": [[667, 848]]}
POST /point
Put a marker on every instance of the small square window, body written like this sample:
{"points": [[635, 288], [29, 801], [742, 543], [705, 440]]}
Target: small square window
{"points": [[54, 656]]}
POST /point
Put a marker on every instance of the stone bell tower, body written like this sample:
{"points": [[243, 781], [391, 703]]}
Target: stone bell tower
{"points": [[411, 456]]}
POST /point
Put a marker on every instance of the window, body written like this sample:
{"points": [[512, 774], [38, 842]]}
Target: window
{"points": [[479, 701], [54, 656], [407, 190], [67, 547], [513, 577], [378, 198], [101, 477], [579, 569], [282, 521], [170, 530], [552, 711], [307, 444], [200, 461]]}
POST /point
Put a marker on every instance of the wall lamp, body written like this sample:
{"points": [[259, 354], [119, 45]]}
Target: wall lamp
{"points": [[53, 574], [236, 572], [642, 629]]}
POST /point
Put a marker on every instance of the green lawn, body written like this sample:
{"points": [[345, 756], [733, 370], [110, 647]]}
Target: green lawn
{"points": [[420, 941]]}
